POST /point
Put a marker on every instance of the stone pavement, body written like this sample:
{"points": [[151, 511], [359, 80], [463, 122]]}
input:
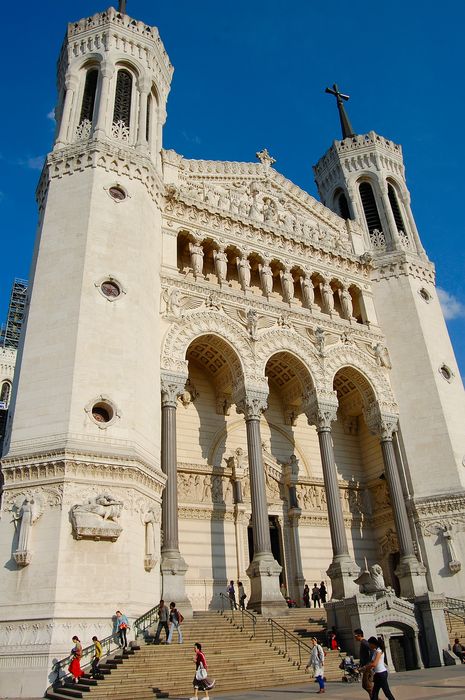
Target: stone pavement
{"points": [[428, 684]]}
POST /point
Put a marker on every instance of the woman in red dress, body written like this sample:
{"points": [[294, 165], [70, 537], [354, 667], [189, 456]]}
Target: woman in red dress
{"points": [[75, 666], [201, 680]]}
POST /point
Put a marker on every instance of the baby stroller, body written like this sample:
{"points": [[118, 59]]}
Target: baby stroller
{"points": [[351, 670]]}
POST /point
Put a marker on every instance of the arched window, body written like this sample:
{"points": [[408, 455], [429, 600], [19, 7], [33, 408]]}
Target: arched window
{"points": [[88, 98], [369, 207], [5, 394], [343, 205], [395, 208], [123, 96]]}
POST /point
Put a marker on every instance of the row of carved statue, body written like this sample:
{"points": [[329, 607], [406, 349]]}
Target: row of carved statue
{"points": [[288, 280]]}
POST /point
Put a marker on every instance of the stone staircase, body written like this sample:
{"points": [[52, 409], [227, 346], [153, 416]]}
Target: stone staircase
{"points": [[455, 622], [238, 659]]}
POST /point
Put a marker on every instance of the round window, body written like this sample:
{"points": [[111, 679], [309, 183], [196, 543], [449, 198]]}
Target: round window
{"points": [[102, 412], [446, 372], [110, 289], [425, 295], [117, 193]]}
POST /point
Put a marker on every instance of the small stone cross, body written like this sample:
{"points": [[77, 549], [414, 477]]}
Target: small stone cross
{"points": [[265, 158], [122, 7]]}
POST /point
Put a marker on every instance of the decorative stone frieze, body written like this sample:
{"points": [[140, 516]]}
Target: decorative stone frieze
{"points": [[97, 519]]}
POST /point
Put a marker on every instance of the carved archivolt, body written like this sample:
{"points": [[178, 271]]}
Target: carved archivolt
{"points": [[285, 340]]}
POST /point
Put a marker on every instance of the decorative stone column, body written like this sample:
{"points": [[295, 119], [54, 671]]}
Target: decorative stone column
{"points": [[173, 567], [395, 238], [405, 199], [296, 577], [106, 73], [321, 412], [71, 83], [410, 572], [144, 90], [264, 570]]}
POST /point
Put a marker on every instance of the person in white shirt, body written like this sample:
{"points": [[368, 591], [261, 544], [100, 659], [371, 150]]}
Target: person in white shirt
{"points": [[378, 664]]}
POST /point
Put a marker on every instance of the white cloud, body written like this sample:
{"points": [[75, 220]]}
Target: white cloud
{"points": [[33, 163], [51, 115], [451, 306]]}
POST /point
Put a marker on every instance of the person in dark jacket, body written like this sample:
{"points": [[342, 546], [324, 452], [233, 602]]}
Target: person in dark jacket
{"points": [[365, 658]]}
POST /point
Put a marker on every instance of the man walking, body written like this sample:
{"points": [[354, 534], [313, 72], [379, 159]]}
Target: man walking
{"points": [[232, 595], [97, 656], [365, 658], [163, 616], [175, 623]]}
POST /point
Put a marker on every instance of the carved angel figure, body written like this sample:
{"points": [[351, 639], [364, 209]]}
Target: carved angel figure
{"points": [[196, 252], [346, 303], [381, 355], [220, 260], [25, 519], [327, 297], [250, 319], [319, 339], [243, 272], [287, 285], [266, 278], [176, 304], [308, 293]]}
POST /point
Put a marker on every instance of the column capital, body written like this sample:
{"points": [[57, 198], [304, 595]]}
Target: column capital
{"points": [[171, 386], [252, 401], [379, 422], [144, 85], [107, 69], [71, 81], [321, 408]]}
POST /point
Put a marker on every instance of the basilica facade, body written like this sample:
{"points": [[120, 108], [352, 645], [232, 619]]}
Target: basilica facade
{"points": [[238, 381]]}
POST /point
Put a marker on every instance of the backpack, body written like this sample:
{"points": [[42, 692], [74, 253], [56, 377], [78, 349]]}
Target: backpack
{"points": [[180, 618]]}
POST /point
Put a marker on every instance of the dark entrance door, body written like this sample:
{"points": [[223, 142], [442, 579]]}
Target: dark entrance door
{"points": [[276, 544]]}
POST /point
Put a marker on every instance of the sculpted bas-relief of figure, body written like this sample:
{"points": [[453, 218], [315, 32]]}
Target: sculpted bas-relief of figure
{"points": [[196, 252], [97, 519], [346, 303], [221, 265], [243, 272], [266, 278], [287, 284], [308, 293], [327, 297], [28, 512]]}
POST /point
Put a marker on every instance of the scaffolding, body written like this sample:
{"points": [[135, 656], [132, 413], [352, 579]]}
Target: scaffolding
{"points": [[16, 311]]}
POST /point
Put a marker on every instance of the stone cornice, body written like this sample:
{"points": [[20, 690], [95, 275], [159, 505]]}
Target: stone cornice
{"points": [[402, 264], [105, 154], [436, 506]]}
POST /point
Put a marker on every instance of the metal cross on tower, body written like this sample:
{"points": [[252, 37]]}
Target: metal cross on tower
{"points": [[346, 126], [122, 7]]}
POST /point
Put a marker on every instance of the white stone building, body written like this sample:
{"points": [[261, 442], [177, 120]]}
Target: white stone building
{"points": [[226, 388]]}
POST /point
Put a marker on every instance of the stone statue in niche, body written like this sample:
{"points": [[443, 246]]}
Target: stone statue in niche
{"points": [[371, 581], [308, 293], [189, 394], [266, 278], [243, 272], [97, 519], [346, 303], [454, 564], [196, 252], [327, 297], [287, 284], [220, 260], [28, 512], [149, 519], [270, 211]]}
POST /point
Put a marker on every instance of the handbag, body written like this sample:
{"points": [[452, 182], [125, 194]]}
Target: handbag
{"points": [[201, 672]]}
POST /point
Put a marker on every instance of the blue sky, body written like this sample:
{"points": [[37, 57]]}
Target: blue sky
{"points": [[251, 74]]}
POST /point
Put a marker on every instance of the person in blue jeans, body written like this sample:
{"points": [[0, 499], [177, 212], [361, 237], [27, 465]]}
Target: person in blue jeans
{"points": [[175, 624], [378, 664], [317, 662]]}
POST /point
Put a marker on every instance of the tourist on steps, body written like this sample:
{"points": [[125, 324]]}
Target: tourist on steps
{"points": [[122, 626], [378, 664], [323, 592], [306, 596], [317, 663], [316, 596], [201, 680], [232, 595], [163, 617], [175, 623], [459, 650], [97, 656], [242, 595], [75, 666]]}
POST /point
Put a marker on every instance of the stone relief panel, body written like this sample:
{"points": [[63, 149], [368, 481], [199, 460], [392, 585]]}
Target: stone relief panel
{"points": [[97, 519]]}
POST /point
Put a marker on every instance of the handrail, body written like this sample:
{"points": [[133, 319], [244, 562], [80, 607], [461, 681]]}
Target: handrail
{"points": [[455, 604], [109, 644], [449, 613], [289, 638], [227, 608]]}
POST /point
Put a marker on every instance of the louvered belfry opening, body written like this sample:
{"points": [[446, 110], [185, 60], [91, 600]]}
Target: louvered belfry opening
{"points": [[88, 99], [123, 96], [369, 207], [343, 206], [147, 121], [395, 208]]}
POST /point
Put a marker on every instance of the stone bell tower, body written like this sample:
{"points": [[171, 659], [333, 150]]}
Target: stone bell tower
{"points": [[362, 177], [81, 511]]}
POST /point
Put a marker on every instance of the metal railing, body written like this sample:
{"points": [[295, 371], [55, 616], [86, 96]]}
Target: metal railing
{"points": [[109, 645], [288, 643], [240, 617], [449, 614]]}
